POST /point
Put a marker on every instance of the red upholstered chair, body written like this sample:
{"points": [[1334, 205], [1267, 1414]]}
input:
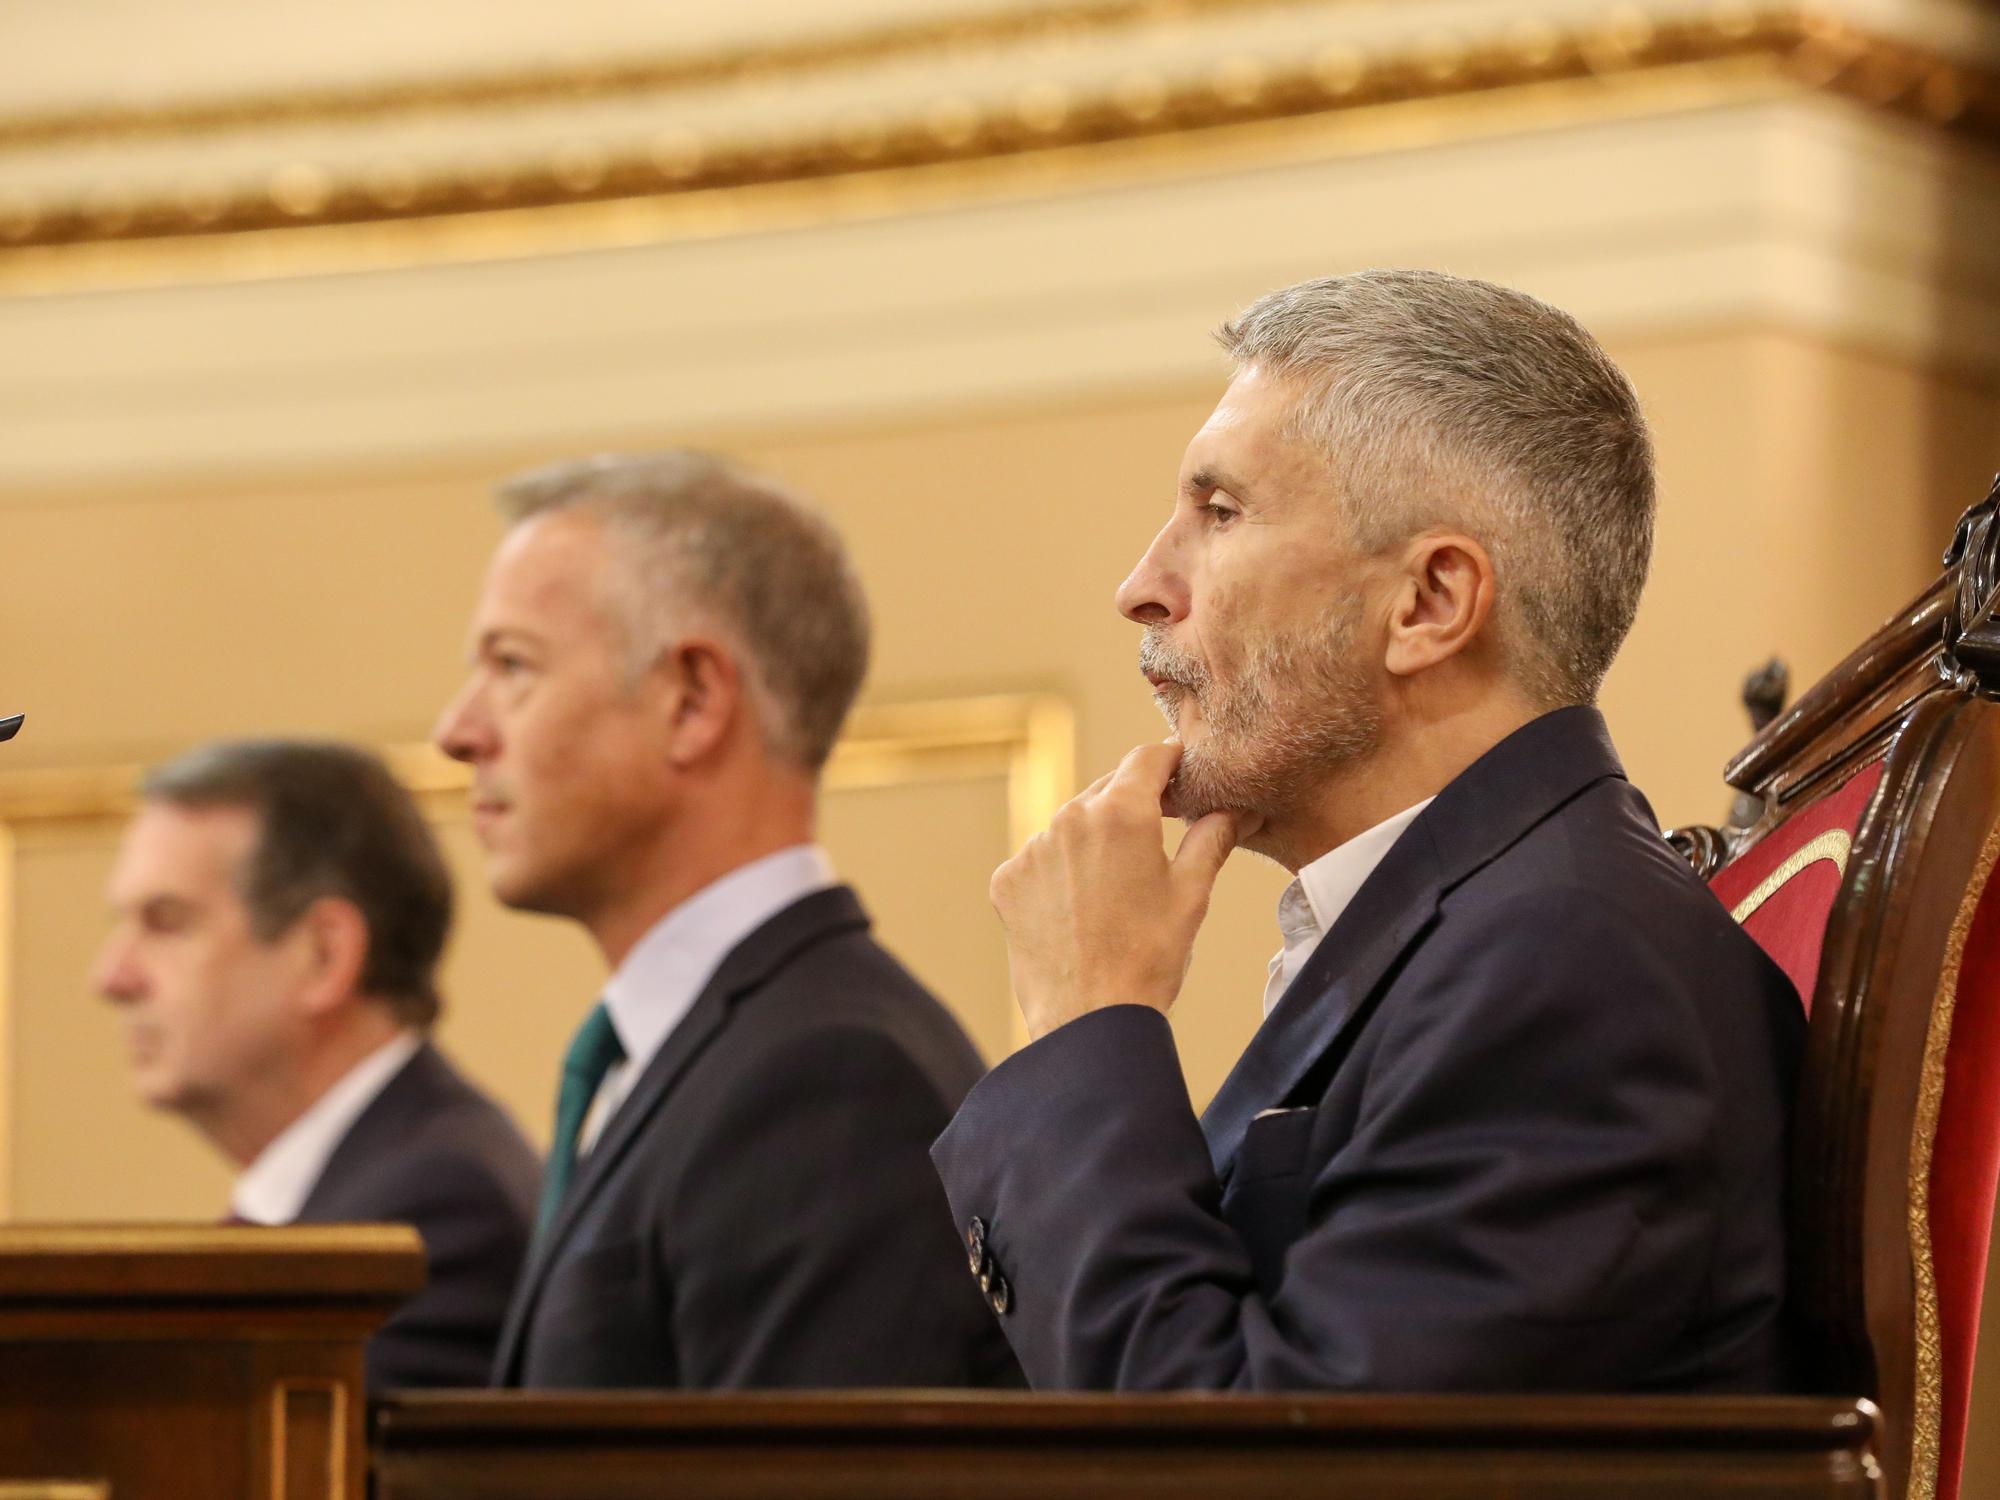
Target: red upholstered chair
{"points": [[1869, 878]]}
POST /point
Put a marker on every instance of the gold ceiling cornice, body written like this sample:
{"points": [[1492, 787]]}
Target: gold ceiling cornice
{"points": [[1618, 53], [784, 59]]}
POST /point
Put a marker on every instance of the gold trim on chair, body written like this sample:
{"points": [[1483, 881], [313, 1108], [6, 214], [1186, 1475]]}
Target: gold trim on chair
{"points": [[1927, 1416], [1833, 845]]}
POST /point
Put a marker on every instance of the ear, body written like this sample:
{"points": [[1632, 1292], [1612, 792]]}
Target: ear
{"points": [[332, 944], [1443, 602], [704, 698]]}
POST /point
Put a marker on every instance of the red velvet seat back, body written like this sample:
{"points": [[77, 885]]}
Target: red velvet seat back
{"points": [[1964, 1171], [1782, 888]]}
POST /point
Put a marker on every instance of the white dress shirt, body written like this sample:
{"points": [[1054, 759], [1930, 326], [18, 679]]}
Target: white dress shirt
{"points": [[667, 969], [275, 1186], [1313, 902]]}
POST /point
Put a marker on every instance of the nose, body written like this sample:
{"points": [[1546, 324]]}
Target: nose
{"points": [[1155, 592], [464, 730], [115, 975]]}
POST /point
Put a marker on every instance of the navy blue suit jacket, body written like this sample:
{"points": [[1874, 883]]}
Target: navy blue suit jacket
{"points": [[759, 1211], [433, 1151], [1519, 1124]]}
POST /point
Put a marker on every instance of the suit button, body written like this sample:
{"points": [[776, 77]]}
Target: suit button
{"points": [[987, 1275], [1000, 1295], [975, 1244]]}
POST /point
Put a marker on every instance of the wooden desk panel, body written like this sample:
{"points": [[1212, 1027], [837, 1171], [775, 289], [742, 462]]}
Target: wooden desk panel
{"points": [[169, 1362], [529, 1446]]}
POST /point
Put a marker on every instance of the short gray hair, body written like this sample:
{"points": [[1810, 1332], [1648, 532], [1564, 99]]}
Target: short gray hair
{"points": [[1440, 401], [694, 533]]}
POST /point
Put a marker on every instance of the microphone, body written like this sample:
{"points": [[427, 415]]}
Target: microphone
{"points": [[11, 726]]}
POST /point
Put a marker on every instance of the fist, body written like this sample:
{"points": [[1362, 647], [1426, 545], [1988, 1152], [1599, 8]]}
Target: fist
{"points": [[1095, 912]]}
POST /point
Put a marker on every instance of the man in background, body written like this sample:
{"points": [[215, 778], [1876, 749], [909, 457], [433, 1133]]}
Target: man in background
{"points": [[738, 1192], [279, 910], [1516, 1114]]}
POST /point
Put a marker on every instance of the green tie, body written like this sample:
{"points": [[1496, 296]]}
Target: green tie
{"points": [[592, 1051]]}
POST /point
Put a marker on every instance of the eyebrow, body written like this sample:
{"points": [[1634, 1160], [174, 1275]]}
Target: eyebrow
{"points": [[496, 636], [1206, 479]]}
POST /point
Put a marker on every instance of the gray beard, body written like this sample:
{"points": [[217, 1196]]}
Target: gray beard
{"points": [[1298, 710]]}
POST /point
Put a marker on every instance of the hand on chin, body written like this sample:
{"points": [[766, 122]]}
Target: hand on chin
{"points": [[1095, 912]]}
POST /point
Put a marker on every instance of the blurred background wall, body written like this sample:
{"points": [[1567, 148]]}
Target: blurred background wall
{"points": [[283, 290]]}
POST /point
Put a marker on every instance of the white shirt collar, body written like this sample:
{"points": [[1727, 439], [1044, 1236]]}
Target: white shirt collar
{"points": [[667, 969], [274, 1187], [1313, 902]]}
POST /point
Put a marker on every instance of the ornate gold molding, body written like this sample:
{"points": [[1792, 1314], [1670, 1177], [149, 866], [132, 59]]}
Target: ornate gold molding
{"points": [[584, 194], [787, 59], [1927, 1417]]}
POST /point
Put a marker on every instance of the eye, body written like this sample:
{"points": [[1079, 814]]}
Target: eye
{"points": [[1219, 514], [165, 917]]}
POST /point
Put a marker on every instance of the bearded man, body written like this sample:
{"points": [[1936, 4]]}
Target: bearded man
{"points": [[1516, 1115]]}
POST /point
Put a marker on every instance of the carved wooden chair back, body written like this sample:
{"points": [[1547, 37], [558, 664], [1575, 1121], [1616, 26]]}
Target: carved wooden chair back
{"points": [[1868, 878]]}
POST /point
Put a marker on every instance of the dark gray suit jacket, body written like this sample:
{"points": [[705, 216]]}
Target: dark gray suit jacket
{"points": [[434, 1152], [759, 1210], [1519, 1124]]}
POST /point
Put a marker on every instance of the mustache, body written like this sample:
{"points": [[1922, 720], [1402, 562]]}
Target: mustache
{"points": [[1161, 658]]}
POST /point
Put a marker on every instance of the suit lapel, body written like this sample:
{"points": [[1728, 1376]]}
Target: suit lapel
{"points": [[1517, 784], [749, 965], [378, 1127], [1327, 999]]}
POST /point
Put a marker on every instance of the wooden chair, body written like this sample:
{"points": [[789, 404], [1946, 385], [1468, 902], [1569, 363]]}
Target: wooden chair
{"points": [[1868, 878]]}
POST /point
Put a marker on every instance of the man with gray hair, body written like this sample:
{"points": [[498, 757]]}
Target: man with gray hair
{"points": [[1516, 1114], [737, 1192], [280, 909]]}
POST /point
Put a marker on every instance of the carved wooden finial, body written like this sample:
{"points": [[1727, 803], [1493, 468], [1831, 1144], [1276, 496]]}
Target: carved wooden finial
{"points": [[1765, 691], [1971, 659]]}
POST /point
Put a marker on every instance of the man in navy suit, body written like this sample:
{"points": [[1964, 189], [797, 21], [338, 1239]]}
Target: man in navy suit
{"points": [[280, 912], [1516, 1116], [737, 1191]]}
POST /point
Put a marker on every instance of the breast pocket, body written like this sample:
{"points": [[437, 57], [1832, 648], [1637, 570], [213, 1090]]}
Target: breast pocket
{"points": [[1276, 1144]]}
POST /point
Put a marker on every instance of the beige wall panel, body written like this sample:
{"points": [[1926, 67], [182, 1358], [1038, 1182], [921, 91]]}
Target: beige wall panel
{"points": [[1807, 491], [921, 856], [516, 988], [144, 620], [79, 1146]]}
